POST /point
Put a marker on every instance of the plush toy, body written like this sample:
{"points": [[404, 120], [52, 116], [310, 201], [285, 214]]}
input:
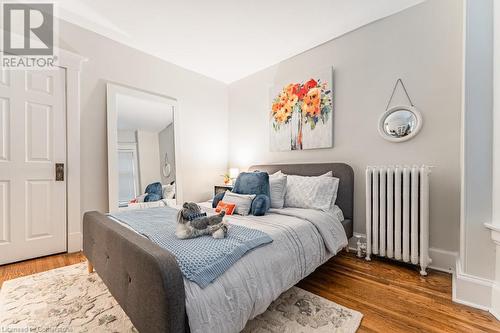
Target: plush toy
{"points": [[192, 222]]}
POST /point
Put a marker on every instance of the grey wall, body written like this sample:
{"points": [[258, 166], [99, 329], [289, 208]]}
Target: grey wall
{"points": [[422, 45], [167, 145], [202, 103]]}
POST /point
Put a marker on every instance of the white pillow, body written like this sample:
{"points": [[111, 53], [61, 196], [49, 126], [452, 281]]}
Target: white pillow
{"points": [[168, 191], [335, 186], [277, 188], [336, 211], [328, 174], [309, 192], [336, 182], [279, 172], [243, 202]]}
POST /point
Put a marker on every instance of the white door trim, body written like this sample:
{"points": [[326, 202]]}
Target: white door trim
{"points": [[73, 64]]}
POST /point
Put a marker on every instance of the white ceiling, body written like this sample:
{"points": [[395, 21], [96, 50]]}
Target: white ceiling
{"points": [[139, 113], [226, 39]]}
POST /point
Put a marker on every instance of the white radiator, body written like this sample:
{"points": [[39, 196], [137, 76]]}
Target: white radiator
{"points": [[397, 214]]}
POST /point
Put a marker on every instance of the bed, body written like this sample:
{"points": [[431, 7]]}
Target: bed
{"points": [[150, 204], [147, 283]]}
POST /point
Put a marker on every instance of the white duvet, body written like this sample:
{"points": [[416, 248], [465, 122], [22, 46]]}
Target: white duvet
{"points": [[303, 239]]}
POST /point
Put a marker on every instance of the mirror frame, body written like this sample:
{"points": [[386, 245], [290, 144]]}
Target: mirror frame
{"points": [[390, 111], [111, 90]]}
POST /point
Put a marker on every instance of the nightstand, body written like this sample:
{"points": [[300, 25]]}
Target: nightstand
{"points": [[222, 188]]}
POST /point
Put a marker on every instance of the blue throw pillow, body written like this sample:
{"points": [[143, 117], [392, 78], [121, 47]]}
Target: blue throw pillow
{"points": [[255, 183], [218, 197], [260, 205], [152, 197], [154, 192]]}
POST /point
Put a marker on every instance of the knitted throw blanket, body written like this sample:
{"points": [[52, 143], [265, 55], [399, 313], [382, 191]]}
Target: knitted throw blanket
{"points": [[201, 259]]}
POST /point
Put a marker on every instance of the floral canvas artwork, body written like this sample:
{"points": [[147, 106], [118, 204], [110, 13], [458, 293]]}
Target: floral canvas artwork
{"points": [[301, 114]]}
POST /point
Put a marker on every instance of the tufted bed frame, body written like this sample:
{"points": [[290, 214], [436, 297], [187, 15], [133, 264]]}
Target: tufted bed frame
{"points": [[145, 279]]}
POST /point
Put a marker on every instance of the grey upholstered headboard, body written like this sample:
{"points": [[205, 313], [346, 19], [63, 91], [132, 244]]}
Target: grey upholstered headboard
{"points": [[344, 172]]}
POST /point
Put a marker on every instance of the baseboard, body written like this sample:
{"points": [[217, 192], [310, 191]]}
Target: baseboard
{"points": [[471, 290], [442, 260], [495, 301], [495, 314], [75, 242]]}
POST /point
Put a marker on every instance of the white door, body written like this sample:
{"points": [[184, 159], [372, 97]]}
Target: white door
{"points": [[32, 141]]}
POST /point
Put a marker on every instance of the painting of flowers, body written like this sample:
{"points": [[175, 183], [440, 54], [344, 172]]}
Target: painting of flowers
{"points": [[301, 114]]}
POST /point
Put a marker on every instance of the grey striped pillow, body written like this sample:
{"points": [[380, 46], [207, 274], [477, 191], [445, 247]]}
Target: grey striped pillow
{"points": [[277, 187]]}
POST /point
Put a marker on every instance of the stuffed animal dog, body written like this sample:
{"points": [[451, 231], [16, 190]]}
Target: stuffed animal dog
{"points": [[192, 222]]}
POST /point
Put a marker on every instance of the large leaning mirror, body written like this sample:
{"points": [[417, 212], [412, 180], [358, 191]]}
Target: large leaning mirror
{"points": [[400, 123], [141, 149]]}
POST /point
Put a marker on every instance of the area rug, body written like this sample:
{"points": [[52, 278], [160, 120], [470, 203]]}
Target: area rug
{"points": [[68, 299]]}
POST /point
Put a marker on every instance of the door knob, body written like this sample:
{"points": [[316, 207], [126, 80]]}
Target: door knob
{"points": [[59, 172]]}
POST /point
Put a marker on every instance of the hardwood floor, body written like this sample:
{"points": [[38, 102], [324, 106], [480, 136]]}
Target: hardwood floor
{"points": [[392, 297], [38, 265]]}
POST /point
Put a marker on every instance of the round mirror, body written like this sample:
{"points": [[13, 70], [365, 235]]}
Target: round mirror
{"points": [[400, 123]]}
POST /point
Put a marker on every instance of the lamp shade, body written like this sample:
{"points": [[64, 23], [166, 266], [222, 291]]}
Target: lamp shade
{"points": [[234, 172]]}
